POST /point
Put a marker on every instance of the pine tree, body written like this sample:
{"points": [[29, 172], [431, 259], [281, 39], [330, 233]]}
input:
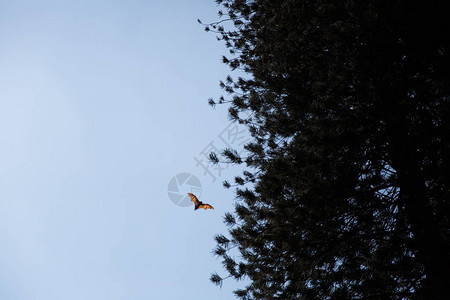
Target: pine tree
{"points": [[347, 183]]}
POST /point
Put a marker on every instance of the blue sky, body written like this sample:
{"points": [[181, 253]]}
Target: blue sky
{"points": [[101, 104]]}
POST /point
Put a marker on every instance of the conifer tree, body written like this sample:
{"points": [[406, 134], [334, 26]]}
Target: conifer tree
{"points": [[346, 192]]}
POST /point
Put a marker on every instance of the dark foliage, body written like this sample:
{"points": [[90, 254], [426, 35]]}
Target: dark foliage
{"points": [[349, 114]]}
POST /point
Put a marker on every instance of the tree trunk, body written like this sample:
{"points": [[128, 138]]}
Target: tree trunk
{"points": [[432, 249]]}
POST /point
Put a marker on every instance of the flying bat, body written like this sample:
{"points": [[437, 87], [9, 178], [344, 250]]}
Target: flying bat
{"points": [[199, 204]]}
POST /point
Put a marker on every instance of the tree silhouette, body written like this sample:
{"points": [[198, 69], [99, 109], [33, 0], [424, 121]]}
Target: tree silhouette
{"points": [[347, 183]]}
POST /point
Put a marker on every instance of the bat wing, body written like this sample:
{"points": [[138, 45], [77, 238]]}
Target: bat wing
{"points": [[193, 199], [205, 206]]}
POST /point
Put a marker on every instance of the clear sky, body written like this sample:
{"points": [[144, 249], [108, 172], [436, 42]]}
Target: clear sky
{"points": [[101, 104]]}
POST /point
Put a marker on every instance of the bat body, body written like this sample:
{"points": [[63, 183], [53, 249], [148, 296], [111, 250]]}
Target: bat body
{"points": [[199, 204]]}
